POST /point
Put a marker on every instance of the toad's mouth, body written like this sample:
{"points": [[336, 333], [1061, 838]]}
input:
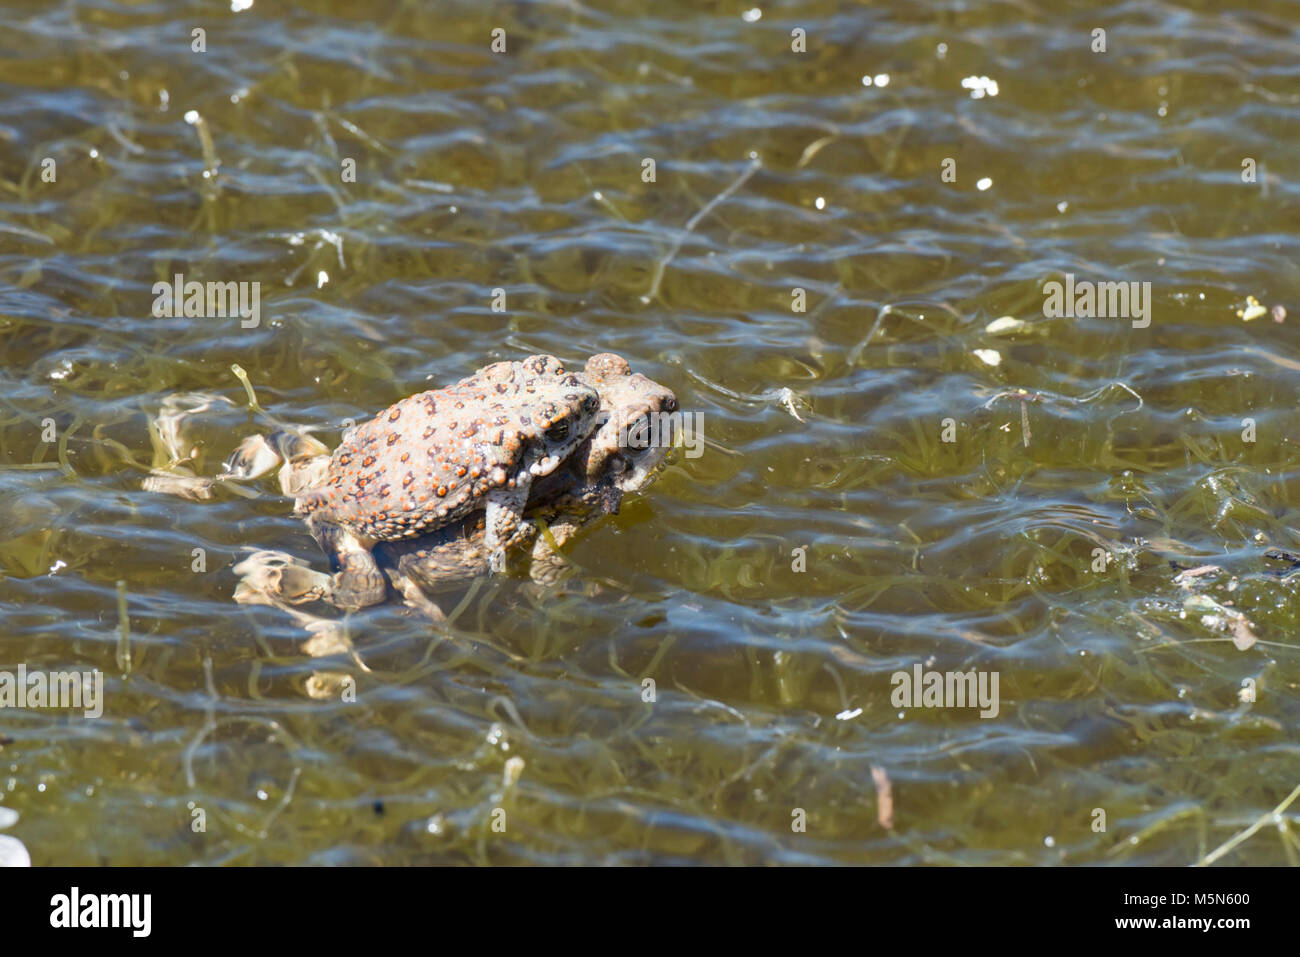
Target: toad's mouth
{"points": [[549, 462], [632, 474], [640, 454]]}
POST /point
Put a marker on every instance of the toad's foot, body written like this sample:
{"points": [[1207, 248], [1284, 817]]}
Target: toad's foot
{"points": [[274, 578], [505, 525], [548, 565], [359, 582], [416, 598]]}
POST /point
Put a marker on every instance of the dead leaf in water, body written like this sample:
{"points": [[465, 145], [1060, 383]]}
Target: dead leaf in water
{"points": [[1242, 635], [884, 798]]}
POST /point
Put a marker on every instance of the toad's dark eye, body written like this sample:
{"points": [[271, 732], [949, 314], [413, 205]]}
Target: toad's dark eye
{"points": [[558, 433]]}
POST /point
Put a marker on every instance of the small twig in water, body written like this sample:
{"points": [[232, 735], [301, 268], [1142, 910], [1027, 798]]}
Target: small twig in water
{"points": [[124, 632], [210, 162], [694, 221], [813, 148], [1273, 815], [242, 376], [884, 798], [861, 346]]}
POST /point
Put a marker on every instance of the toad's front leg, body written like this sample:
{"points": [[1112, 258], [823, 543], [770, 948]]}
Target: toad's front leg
{"points": [[504, 515], [359, 582]]}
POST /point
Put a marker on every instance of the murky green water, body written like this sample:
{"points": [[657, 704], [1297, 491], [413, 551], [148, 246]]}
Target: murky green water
{"points": [[523, 171]]}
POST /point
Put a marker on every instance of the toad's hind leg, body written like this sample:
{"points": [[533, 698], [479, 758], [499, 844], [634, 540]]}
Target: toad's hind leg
{"points": [[359, 582], [415, 596], [548, 565], [504, 518]]}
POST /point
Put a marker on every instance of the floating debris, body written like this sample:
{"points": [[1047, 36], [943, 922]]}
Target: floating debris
{"points": [[511, 772], [253, 457], [184, 486], [1218, 617], [884, 798], [1253, 310], [13, 853], [812, 149], [169, 473], [980, 86], [788, 399], [1279, 313], [990, 357], [1005, 326], [1187, 578]]}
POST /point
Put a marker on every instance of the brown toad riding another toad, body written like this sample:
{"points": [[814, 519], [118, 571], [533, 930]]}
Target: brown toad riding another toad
{"points": [[433, 458], [623, 454]]}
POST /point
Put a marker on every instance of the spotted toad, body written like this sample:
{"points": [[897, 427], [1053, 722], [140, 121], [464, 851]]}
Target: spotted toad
{"points": [[433, 458], [622, 455]]}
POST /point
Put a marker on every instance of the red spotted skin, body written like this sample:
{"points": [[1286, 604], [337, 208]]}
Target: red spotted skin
{"points": [[434, 457], [589, 484], [567, 489]]}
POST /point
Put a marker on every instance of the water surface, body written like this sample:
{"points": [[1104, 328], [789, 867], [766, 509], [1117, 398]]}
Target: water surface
{"points": [[827, 538]]}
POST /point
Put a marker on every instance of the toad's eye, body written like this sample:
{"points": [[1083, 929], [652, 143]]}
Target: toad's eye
{"points": [[558, 433]]}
